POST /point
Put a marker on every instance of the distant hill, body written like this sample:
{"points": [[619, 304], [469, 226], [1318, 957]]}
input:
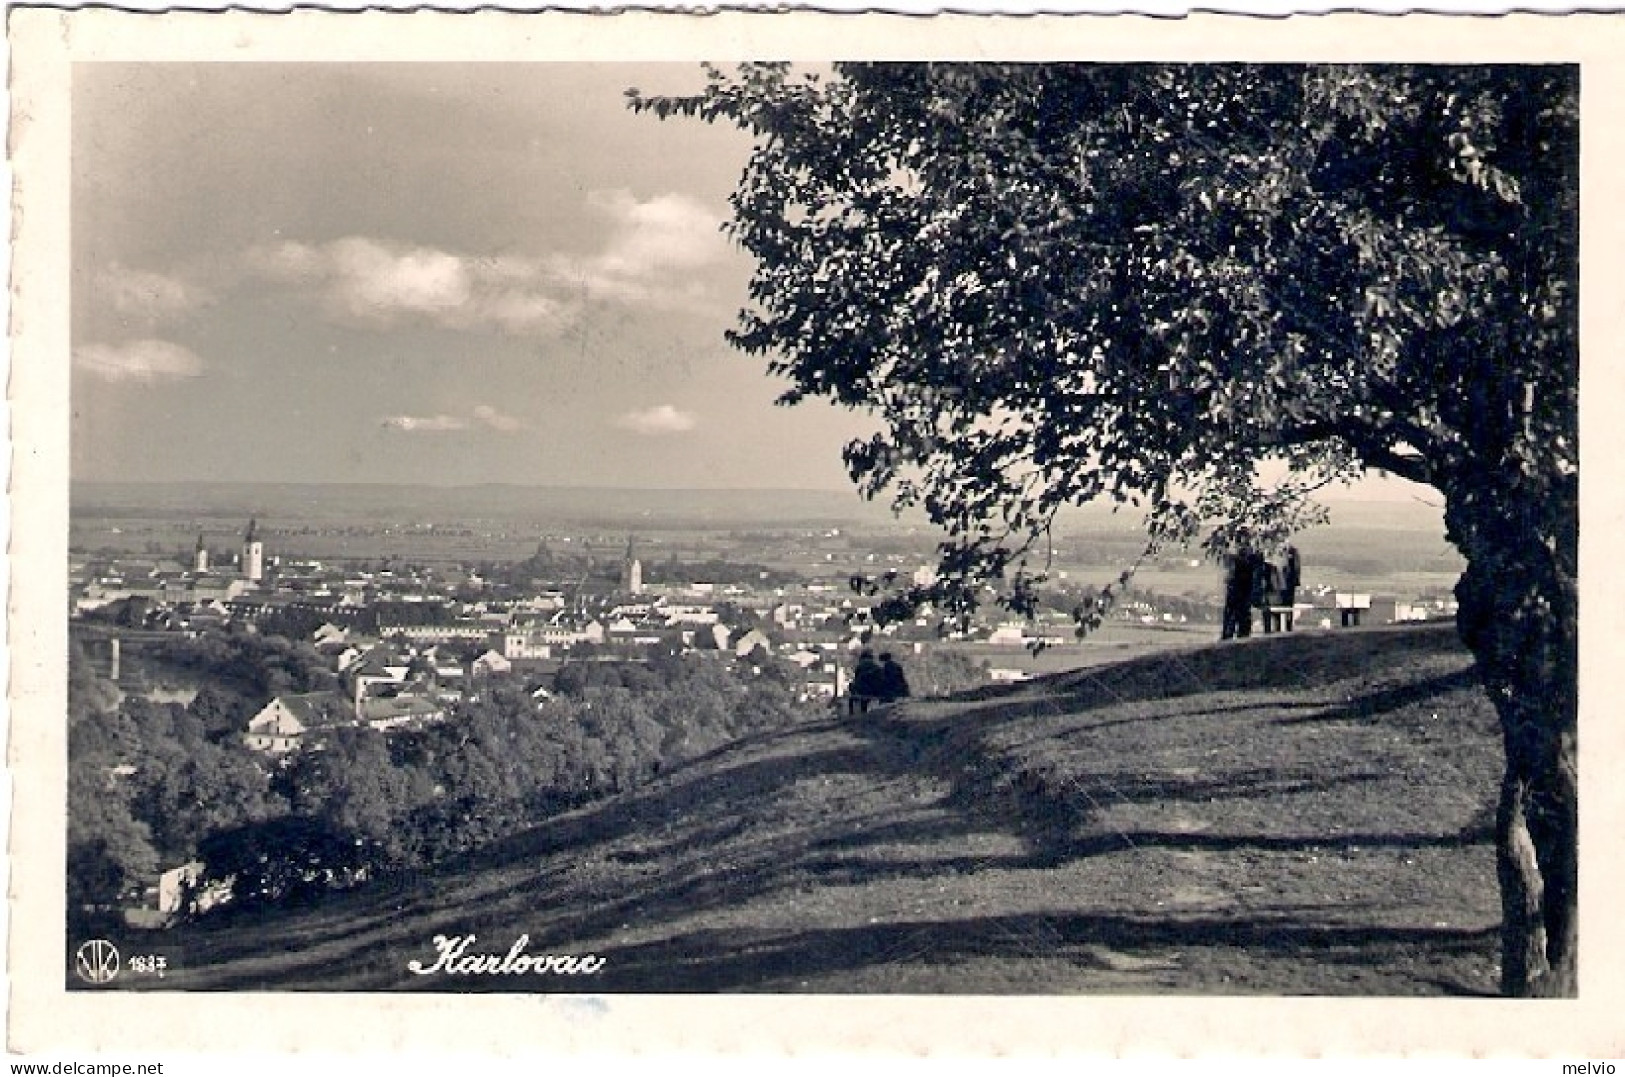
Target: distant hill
{"points": [[607, 505], [1303, 814], [360, 501]]}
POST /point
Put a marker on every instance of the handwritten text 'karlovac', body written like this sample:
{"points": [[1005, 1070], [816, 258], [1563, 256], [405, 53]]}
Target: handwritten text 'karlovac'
{"points": [[453, 959]]}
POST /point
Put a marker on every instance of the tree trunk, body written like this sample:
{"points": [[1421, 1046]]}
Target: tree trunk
{"points": [[1536, 864], [1519, 616]]}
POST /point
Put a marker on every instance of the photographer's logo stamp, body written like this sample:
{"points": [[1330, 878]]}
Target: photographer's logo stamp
{"points": [[97, 961]]}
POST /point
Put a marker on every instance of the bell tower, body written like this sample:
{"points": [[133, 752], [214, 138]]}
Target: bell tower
{"points": [[253, 553], [631, 571]]}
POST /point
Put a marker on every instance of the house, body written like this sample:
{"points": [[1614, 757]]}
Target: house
{"points": [[204, 615], [394, 712], [824, 680], [329, 633], [281, 725], [181, 890], [750, 641], [438, 633], [690, 615], [491, 662], [217, 589], [523, 644], [344, 658], [1351, 608], [1007, 635]]}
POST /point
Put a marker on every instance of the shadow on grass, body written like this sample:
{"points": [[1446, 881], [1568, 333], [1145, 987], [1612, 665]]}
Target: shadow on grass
{"points": [[369, 951], [1281, 663], [768, 961], [688, 846], [713, 805], [1384, 701]]}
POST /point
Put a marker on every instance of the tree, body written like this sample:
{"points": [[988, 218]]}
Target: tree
{"points": [[355, 788], [185, 790], [221, 711], [109, 850], [1163, 284], [289, 859]]}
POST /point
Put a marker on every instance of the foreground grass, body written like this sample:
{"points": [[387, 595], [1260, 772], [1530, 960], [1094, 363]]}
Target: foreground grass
{"points": [[1287, 815]]}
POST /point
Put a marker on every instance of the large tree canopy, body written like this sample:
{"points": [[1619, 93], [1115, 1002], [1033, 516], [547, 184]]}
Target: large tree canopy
{"points": [[1055, 284]]}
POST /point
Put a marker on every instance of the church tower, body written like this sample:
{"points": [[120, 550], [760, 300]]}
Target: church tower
{"points": [[631, 571], [253, 554], [200, 557]]}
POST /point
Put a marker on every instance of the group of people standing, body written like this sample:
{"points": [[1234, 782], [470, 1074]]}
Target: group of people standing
{"points": [[875, 683], [1251, 581]]}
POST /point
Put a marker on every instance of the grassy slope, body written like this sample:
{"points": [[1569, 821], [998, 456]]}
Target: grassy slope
{"points": [[1304, 814]]}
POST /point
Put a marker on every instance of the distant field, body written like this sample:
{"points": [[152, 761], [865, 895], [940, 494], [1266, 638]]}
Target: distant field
{"points": [[1112, 642]]}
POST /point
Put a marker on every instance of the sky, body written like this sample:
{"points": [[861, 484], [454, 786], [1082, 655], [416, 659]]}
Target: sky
{"points": [[419, 273], [415, 273]]}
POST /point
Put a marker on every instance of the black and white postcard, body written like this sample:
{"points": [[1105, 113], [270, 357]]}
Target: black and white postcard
{"points": [[816, 533]]}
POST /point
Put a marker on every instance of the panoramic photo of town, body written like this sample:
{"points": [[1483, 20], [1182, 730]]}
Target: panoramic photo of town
{"points": [[473, 587]]}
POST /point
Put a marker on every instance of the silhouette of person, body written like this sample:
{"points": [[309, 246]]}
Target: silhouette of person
{"points": [[1291, 576], [1267, 584], [1240, 580], [893, 684], [867, 683]]}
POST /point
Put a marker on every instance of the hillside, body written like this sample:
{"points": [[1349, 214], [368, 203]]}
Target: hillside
{"points": [[1303, 814]]}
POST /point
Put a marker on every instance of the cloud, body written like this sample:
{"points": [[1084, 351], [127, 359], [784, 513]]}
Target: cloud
{"points": [[652, 257], [153, 298], [374, 279], [369, 282], [655, 421], [669, 231], [484, 416], [288, 263], [653, 251], [138, 360], [495, 419], [424, 424]]}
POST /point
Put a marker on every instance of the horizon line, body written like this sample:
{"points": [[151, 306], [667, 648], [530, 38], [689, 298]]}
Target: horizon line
{"points": [[461, 485], [1397, 497]]}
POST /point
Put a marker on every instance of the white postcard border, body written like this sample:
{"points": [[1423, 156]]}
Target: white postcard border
{"points": [[44, 1016]]}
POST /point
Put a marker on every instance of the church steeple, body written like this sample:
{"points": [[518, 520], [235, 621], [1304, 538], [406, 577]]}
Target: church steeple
{"points": [[631, 571], [200, 555], [253, 553]]}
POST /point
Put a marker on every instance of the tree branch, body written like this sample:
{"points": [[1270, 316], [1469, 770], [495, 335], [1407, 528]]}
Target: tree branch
{"points": [[1415, 468], [1372, 445]]}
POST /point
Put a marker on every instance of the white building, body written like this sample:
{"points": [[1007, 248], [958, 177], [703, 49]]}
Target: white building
{"points": [[281, 725]]}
